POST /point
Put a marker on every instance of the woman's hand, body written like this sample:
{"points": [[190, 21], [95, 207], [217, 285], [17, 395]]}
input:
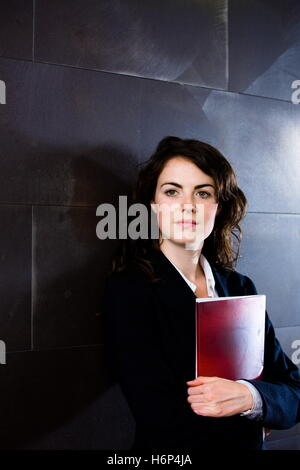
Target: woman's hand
{"points": [[217, 397]]}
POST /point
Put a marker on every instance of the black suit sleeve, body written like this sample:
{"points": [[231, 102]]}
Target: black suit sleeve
{"points": [[280, 387], [133, 343]]}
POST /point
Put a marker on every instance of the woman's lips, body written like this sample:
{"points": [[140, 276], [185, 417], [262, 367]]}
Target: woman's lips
{"points": [[186, 222]]}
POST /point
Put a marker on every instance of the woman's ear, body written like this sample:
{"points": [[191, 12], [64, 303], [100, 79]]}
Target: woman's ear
{"points": [[219, 209]]}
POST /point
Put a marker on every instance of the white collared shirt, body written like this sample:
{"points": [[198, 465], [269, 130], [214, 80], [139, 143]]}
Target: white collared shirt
{"points": [[210, 280], [257, 408]]}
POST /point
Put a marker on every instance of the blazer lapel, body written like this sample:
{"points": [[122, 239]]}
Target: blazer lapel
{"points": [[178, 304], [177, 317], [170, 275], [220, 281]]}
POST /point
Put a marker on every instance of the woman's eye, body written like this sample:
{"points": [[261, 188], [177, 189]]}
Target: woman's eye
{"points": [[205, 193], [169, 191]]}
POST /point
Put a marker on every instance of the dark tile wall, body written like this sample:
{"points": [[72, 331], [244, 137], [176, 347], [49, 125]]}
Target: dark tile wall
{"points": [[144, 39], [92, 86], [60, 137], [15, 276], [264, 47], [16, 29], [272, 261]]}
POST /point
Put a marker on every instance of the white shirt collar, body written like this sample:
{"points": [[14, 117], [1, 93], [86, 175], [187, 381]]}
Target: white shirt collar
{"points": [[210, 280]]}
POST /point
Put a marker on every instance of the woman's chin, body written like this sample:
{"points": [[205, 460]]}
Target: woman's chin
{"points": [[189, 242]]}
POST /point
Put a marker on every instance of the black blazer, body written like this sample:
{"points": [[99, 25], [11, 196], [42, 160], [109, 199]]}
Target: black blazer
{"points": [[150, 349]]}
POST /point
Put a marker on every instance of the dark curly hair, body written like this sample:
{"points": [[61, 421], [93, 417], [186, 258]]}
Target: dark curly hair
{"points": [[218, 246]]}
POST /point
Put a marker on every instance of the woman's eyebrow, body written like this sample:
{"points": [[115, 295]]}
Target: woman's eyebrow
{"points": [[196, 187]]}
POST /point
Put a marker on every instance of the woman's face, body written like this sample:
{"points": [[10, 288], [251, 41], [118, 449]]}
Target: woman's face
{"points": [[185, 203]]}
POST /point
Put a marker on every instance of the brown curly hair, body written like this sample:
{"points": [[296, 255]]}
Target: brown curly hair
{"points": [[218, 246]]}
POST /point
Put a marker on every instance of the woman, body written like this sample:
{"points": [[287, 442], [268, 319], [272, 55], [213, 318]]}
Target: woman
{"points": [[191, 190]]}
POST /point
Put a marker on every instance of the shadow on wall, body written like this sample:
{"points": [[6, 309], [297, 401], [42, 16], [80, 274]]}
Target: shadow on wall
{"points": [[59, 395]]}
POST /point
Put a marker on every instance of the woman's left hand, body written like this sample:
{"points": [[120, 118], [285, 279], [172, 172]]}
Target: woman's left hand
{"points": [[217, 397]]}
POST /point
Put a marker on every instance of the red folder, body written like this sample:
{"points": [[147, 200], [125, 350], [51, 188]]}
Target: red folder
{"points": [[230, 337]]}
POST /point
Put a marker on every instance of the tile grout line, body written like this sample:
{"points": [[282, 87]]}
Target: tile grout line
{"points": [[227, 43], [33, 29], [174, 82], [32, 278], [57, 348], [54, 204]]}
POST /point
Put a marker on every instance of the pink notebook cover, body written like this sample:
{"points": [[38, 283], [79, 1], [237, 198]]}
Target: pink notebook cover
{"points": [[230, 334]]}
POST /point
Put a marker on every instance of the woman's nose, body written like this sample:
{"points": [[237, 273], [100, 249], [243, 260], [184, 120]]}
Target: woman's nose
{"points": [[188, 206]]}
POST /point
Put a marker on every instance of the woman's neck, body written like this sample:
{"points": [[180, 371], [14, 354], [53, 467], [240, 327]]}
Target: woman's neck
{"points": [[187, 261]]}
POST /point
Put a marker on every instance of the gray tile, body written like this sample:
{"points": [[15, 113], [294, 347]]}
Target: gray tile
{"points": [[68, 136], [15, 277], [69, 267], [291, 443], [267, 62], [258, 136], [171, 109], [289, 338], [185, 43], [261, 139], [60, 399], [16, 28], [104, 423], [270, 256], [278, 434]]}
